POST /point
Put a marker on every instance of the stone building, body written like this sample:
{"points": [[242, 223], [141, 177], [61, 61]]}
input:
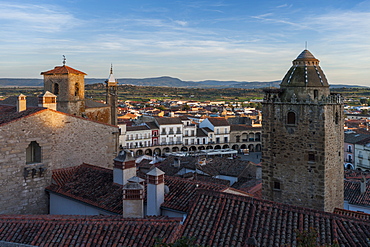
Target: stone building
{"points": [[302, 139], [68, 84], [36, 140]]}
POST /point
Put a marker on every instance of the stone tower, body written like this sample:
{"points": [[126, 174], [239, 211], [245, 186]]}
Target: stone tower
{"points": [[68, 85], [302, 140], [112, 96]]}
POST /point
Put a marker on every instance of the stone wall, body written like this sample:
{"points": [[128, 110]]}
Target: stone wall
{"points": [[65, 141], [303, 162]]}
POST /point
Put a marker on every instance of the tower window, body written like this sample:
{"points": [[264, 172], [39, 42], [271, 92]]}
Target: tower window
{"points": [[56, 88], [277, 185], [291, 118], [33, 153], [315, 94], [336, 118], [77, 89], [311, 157]]}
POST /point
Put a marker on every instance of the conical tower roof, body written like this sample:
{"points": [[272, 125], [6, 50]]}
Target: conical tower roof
{"points": [[305, 72]]}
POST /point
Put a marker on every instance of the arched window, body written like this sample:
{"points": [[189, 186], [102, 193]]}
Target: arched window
{"points": [[56, 88], [77, 89], [291, 118], [336, 118], [33, 153]]}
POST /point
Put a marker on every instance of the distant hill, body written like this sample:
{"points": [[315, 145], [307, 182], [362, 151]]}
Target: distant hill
{"points": [[164, 81]]}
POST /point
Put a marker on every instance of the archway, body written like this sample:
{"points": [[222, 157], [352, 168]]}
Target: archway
{"points": [[243, 146], [258, 137], [148, 152], [251, 147], [184, 149], [235, 147], [225, 146], [139, 152], [192, 148], [157, 151], [349, 166], [217, 147], [209, 147], [201, 148], [166, 150], [258, 148], [175, 149]]}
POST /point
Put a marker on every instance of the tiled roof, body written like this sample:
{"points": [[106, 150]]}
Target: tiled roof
{"points": [[94, 185], [52, 230], [168, 120], [220, 219], [94, 104], [8, 113], [135, 128], [354, 137], [218, 121], [352, 193], [90, 184], [241, 127], [353, 214], [183, 191], [152, 125], [62, 70], [201, 133], [12, 100]]}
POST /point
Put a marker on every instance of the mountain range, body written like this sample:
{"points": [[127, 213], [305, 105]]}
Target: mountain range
{"points": [[164, 81]]}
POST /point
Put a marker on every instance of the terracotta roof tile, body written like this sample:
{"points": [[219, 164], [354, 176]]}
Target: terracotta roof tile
{"points": [[52, 230], [219, 219], [218, 121], [352, 193], [168, 120], [62, 70], [9, 114]]}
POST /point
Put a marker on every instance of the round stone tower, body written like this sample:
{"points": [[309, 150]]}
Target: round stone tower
{"points": [[302, 128]]}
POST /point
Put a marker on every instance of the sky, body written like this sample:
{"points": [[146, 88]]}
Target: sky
{"points": [[240, 40]]}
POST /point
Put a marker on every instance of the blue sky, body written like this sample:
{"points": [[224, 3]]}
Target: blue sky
{"points": [[192, 40]]}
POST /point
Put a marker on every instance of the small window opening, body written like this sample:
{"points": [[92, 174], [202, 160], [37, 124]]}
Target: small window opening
{"points": [[311, 157], [77, 89], [315, 94], [336, 118], [291, 118], [33, 153], [56, 89], [277, 185]]}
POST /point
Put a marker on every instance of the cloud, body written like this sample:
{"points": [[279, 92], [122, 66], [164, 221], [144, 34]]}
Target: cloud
{"points": [[40, 18]]}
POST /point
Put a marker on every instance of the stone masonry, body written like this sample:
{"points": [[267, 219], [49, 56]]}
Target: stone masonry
{"points": [[303, 140], [65, 141]]}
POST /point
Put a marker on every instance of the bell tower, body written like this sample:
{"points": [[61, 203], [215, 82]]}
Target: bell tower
{"points": [[68, 85], [302, 128], [112, 95]]}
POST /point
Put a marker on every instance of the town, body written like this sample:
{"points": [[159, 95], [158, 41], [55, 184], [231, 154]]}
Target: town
{"points": [[75, 171]]}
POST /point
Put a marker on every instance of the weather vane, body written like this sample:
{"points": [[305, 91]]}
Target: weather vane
{"points": [[64, 60]]}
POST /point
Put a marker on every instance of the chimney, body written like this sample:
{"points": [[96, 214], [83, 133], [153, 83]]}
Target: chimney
{"points": [[133, 203], [155, 191], [48, 100], [363, 185], [124, 167], [21, 103]]}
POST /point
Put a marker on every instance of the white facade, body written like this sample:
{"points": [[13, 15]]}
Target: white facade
{"points": [[170, 134], [362, 160], [138, 138], [221, 134]]}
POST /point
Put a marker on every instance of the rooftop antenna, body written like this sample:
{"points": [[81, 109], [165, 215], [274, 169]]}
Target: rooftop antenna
{"points": [[64, 60]]}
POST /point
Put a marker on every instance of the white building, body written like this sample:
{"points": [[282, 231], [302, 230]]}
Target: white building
{"points": [[170, 130], [138, 136], [220, 128]]}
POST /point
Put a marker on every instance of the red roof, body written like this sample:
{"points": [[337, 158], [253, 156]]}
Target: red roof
{"points": [[64, 70], [52, 230], [221, 219]]}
